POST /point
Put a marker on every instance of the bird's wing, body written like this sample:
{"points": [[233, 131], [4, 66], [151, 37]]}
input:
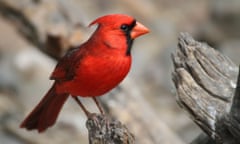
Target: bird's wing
{"points": [[66, 67]]}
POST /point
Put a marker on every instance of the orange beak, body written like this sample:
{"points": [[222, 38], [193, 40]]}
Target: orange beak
{"points": [[138, 30]]}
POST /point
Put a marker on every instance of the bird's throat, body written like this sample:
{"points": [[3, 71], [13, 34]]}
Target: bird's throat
{"points": [[129, 44]]}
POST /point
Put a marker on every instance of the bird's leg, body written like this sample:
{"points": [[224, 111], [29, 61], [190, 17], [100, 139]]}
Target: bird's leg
{"points": [[99, 105], [87, 113]]}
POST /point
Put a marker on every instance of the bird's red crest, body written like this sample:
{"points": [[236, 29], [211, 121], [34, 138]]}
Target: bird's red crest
{"points": [[112, 19]]}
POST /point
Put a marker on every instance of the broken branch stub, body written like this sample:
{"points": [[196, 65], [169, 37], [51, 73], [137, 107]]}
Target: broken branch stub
{"points": [[105, 130], [205, 81]]}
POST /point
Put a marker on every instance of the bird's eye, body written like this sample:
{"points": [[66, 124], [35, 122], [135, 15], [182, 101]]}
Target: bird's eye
{"points": [[124, 27]]}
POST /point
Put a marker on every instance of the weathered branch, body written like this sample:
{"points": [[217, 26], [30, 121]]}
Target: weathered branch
{"points": [[105, 130], [205, 81]]}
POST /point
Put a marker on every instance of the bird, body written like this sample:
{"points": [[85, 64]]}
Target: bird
{"points": [[89, 70]]}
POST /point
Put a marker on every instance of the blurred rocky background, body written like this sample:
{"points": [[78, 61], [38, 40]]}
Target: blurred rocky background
{"points": [[29, 27]]}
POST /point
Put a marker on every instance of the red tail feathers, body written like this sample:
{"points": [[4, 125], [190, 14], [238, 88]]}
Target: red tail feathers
{"points": [[46, 112]]}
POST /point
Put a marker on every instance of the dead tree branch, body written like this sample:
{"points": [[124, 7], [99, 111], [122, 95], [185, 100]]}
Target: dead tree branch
{"points": [[105, 130], [205, 81]]}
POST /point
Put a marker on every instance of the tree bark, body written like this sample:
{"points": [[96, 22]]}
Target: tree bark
{"points": [[206, 82], [106, 130]]}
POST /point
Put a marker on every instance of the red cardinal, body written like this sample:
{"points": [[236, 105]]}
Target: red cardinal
{"points": [[91, 70]]}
